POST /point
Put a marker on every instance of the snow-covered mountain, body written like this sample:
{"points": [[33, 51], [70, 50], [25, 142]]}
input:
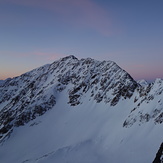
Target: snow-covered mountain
{"points": [[80, 111]]}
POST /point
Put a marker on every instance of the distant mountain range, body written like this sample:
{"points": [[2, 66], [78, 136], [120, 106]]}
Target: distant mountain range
{"points": [[82, 111]]}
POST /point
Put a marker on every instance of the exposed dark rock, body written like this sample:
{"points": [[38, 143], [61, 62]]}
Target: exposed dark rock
{"points": [[159, 119], [159, 155]]}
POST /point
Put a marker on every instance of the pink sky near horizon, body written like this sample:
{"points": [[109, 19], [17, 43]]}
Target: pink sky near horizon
{"points": [[137, 71]]}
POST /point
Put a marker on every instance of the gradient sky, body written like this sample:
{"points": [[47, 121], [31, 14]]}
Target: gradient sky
{"points": [[37, 32]]}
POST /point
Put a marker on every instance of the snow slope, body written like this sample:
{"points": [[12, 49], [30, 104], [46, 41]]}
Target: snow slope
{"points": [[80, 111]]}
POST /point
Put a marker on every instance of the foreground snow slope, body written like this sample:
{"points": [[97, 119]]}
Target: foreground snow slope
{"points": [[80, 111]]}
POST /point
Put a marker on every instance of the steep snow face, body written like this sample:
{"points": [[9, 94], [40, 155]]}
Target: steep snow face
{"points": [[79, 111]]}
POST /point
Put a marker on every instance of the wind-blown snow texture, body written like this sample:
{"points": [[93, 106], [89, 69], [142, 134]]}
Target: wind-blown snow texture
{"points": [[80, 111]]}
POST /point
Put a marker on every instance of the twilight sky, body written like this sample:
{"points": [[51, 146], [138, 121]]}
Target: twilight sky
{"points": [[37, 32]]}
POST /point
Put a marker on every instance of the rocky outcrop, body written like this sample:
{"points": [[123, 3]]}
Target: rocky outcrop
{"points": [[159, 155]]}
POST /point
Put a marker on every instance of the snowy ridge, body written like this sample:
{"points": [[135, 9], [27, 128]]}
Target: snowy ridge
{"points": [[75, 108], [143, 83]]}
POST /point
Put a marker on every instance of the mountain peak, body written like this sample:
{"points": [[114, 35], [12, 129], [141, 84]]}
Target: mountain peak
{"points": [[69, 58], [79, 106]]}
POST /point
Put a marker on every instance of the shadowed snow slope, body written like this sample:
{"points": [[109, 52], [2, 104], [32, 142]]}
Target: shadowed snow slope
{"points": [[82, 111]]}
